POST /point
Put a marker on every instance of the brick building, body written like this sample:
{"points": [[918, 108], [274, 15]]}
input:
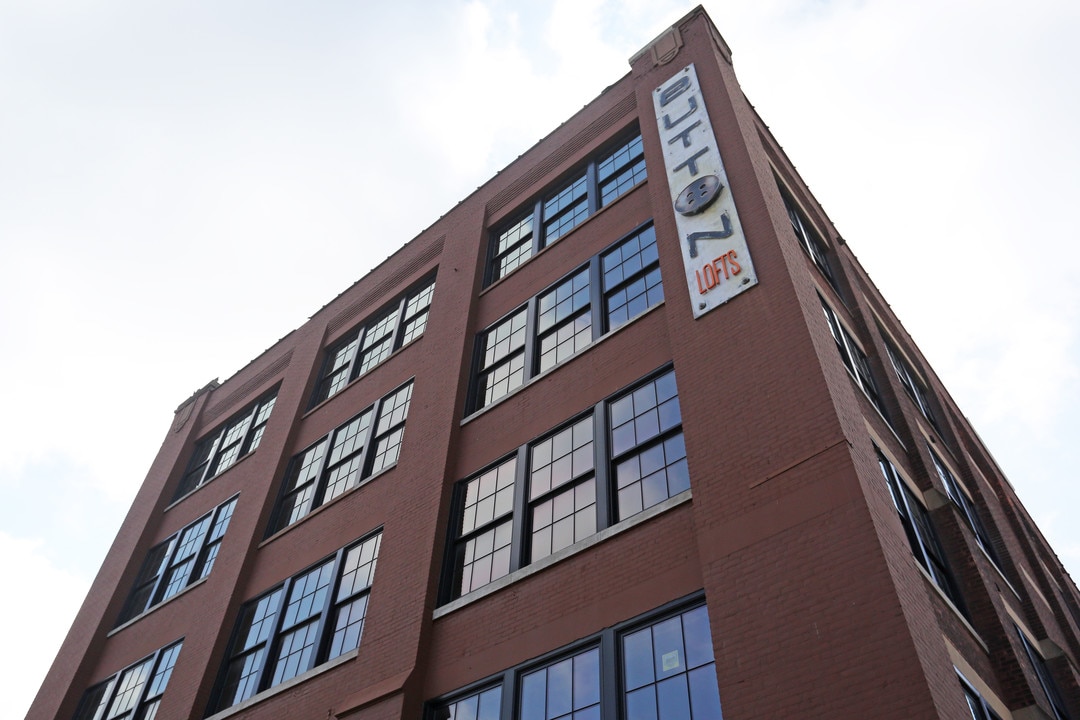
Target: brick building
{"points": [[628, 433]]}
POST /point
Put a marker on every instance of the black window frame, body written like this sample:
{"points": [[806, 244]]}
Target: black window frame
{"points": [[343, 361], [919, 528], [231, 442], [809, 238], [165, 572], [319, 464], [276, 615], [467, 535], [855, 359], [913, 384], [980, 709], [577, 197], [621, 282], [609, 644], [959, 497], [98, 701], [1046, 680]]}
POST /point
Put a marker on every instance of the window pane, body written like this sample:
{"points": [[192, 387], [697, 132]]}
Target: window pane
{"points": [[295, 652], [565, 210], [127, 692], [349, 625], [569, 686], [658, 659]]}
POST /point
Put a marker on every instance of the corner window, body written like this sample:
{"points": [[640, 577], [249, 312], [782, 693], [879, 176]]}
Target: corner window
{"points": [[965, 504], [1046, 680], [134, 692], [556, 491], [920, 531], [370, 344], [308, 620], [362, 447], [614, 287], [977, 705], [662, 668], [555, 214], [184, 558], [218, 452], [912, 384], [854, 359], [809, 239]]}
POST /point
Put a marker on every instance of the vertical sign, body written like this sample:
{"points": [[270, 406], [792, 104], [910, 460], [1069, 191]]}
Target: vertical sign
{"points": [[714, 251]]}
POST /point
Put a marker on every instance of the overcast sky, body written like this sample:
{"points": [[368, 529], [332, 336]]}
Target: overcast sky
{"points": [[162, 163]]}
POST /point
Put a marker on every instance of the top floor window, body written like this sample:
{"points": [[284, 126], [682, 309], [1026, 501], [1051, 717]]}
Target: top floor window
{"points": [[552, 216], [366, 346], [216, 453], [809, 239]]}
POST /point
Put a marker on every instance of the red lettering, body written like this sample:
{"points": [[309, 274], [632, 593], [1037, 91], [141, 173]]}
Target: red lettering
{"points": [[723, 264], [713, 281], [736, 268], [721, 268]]}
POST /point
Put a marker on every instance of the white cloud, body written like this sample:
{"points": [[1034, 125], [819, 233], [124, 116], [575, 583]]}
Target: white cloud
{"points": [[37, 628], [159, 165]]}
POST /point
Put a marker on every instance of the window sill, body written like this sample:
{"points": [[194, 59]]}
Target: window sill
{"points": [[184, 497], [282, 687], [330, 504], [580, 546], [150, 610], [472, 416], [559, 241]]}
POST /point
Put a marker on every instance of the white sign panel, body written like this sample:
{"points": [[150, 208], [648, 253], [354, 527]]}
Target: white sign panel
{"points": [[714, 251]]}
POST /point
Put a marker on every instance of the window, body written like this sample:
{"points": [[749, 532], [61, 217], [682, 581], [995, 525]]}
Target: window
{"points": [[134, 692], [557, 490], [362, 447], [669, 671], [483, 705], [371, 343], [962, 501], [854, 358], [809, 239], [567, 688], [614, 287], [179, 561], [559, 212], [308, 620], [664, 669], [216, 453], [1046, 680], [980, 709], [920, 532], [914, 387]]}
